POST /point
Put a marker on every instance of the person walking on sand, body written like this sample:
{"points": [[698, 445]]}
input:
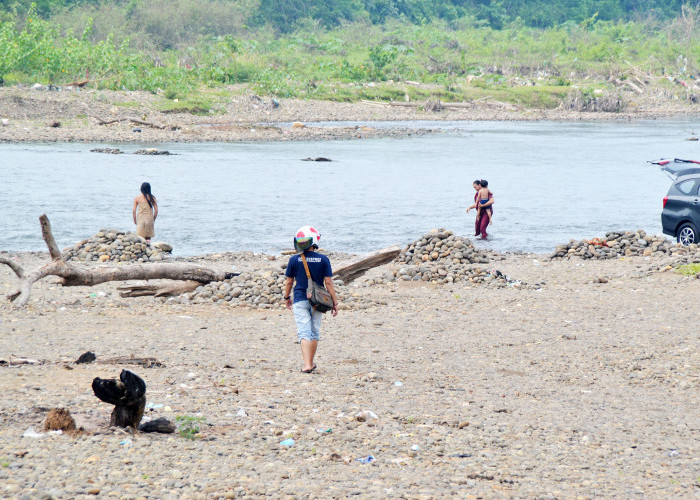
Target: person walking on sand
{"points": [[483, 201], [308, 320], [145, 212]]}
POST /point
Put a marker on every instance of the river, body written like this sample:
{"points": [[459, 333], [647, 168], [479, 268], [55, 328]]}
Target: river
{"points": [[551, 182]]}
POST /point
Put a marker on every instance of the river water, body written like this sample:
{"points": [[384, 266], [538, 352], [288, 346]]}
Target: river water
{"points": [[551, 182]]}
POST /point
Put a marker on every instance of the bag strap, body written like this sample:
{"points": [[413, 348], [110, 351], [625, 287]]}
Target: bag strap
{"points": [[306, 266], [308, 274]]}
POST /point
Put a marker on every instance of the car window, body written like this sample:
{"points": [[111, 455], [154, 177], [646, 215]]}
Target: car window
{"points": [[686, 187]]}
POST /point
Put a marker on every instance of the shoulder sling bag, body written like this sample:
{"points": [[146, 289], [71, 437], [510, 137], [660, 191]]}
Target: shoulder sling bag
{"points": [[319, 298]]}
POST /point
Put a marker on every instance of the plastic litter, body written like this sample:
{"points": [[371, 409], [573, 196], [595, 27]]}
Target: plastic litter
{"points": [[673, 453], [241, 413], [154, 406], [126, 442], [321, 430], [365, 460], [32, 433], [288, 442], [398, 383], [415, 447]]}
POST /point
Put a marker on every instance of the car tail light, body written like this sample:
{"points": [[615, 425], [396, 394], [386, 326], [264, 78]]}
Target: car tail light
{"points": [[665, 200]]}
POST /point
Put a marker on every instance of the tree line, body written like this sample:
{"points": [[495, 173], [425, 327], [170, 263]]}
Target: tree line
{"points": [[285, 15]]}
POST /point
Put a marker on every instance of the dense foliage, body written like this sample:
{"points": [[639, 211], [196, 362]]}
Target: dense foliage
{"points": [[284, 15], [337, 50]]}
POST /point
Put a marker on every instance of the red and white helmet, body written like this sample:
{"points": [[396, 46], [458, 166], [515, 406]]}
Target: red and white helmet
{"points": [[306, 237]]}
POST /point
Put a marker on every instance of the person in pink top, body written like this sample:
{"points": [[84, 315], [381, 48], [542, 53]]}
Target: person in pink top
{"points": [[482, 203]]}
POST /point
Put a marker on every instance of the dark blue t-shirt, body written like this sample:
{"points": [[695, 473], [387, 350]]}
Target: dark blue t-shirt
{"points": [[319, 268]]}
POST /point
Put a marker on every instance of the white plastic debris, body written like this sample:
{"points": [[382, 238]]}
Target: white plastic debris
{"points": [[32, 433]]}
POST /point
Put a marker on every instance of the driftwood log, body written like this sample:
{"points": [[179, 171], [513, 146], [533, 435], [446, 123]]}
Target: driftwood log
{"points": [[168, 289], [128, 395], [100, 121], [359, 267], [73, 275]]}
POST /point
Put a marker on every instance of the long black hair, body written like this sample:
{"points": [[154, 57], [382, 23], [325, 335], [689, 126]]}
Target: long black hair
{"points": [[146, 191]]}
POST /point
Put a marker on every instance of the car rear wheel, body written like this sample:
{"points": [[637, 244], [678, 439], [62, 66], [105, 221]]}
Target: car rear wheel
{"points": [[687, 234]]}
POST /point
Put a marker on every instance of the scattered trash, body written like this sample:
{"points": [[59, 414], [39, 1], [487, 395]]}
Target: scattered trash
{"points": [[321, 430], [398, 383], [320, 158], [154, 406], [136, 130], [93, 295], [288, 442], [364, 415], [191, 375], [673, 453], [32, 433], [86, 357], [365, 460], [242, 413], [415, 447], [167, 408], [126, 442]]}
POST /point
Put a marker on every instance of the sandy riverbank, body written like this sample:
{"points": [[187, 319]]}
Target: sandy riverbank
{"points": [[578, 389], [74, 115]]}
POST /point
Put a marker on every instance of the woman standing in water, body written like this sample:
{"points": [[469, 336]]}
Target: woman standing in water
{"points": [[145, 212]]}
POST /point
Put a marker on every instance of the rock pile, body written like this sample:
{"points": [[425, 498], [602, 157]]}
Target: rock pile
{"points": [[117, 246], [264, 290], [442, 257], [619, 244], [443, 247]]}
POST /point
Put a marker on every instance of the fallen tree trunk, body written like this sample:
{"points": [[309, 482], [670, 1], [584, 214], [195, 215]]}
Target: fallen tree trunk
{"points": [[73, 275], [159, 290], [100, 121], [358, 268]]}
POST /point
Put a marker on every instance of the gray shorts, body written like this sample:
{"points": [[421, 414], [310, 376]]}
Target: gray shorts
{"points": [[308, 321]]}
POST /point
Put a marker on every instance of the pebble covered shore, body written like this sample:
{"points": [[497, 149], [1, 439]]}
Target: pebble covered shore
{"points": [[580, 388]]}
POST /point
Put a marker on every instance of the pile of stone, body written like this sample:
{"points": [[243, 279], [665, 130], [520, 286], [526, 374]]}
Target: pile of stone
{"points": [[617, 244], [442, 257], [458, 273], [444, 248], [264, 290], [117, 246]]}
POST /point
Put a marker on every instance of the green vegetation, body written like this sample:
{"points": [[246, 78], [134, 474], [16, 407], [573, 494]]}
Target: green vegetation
{"points": [[188, 426], [689, 269], [533, 53]]}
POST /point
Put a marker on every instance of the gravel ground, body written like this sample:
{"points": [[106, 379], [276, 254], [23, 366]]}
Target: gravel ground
{"points": [[579, 389], [73, 115]]}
